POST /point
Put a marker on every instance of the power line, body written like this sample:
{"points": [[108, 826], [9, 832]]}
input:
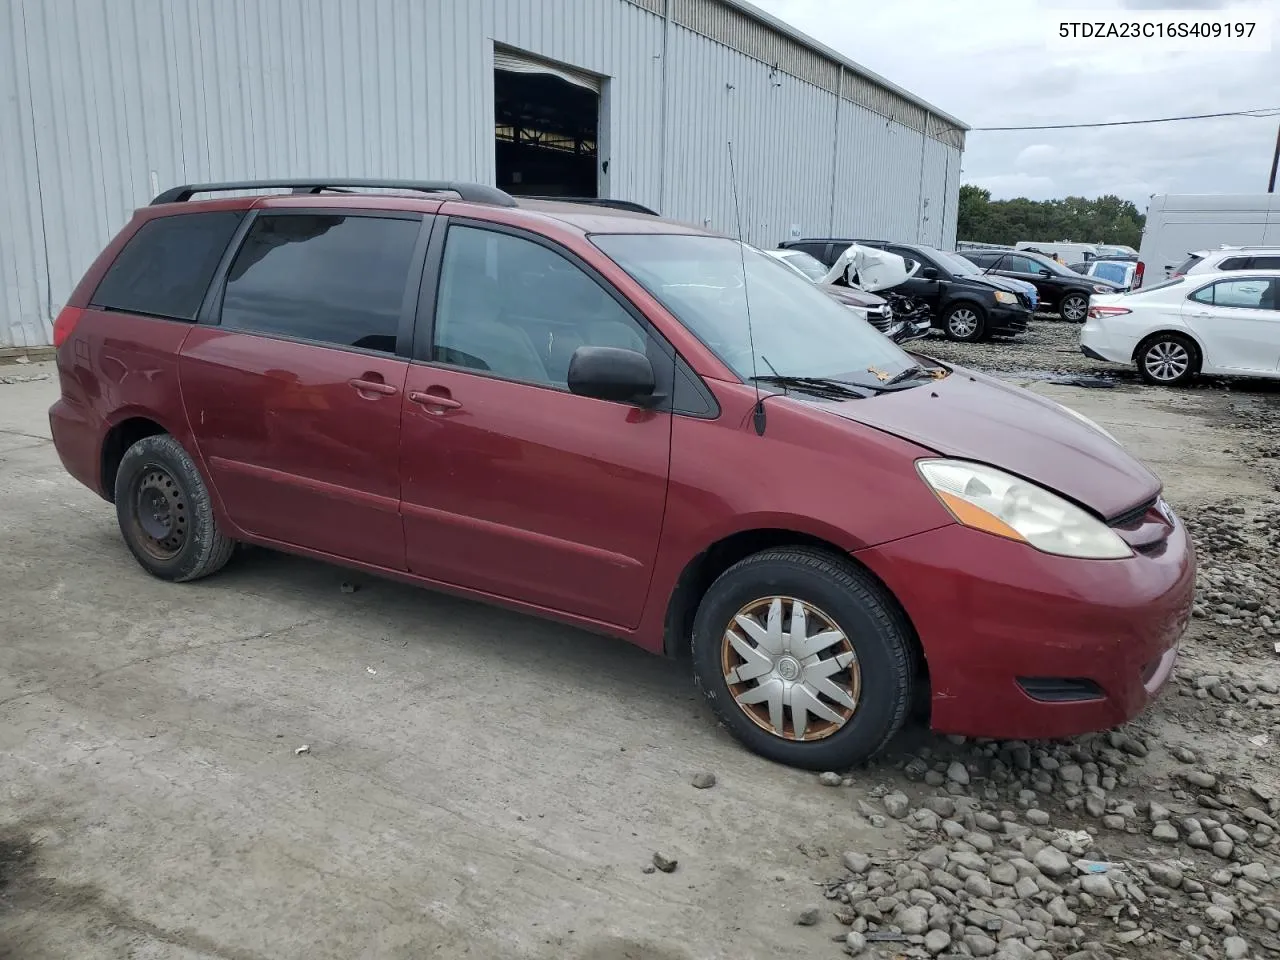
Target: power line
{"points": [[1261, 112]]}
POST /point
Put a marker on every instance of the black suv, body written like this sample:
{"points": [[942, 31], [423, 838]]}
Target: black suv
{"points": [[1060, 288], [965, 304]]}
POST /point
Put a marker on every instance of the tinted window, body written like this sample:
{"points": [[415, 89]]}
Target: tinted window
{"points": [[981, 259], [1234, 263], [816, 249], [165, 269], [1250, 293], [1188, 264], [1266, 263], [519, 310], [335, 279], [1020, 265]]}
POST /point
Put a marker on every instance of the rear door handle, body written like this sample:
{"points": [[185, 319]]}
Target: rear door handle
{"points": [[434, 400], [373, 386]]}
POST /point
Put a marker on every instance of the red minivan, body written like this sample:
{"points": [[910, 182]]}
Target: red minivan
{"points": [[630, 425]]}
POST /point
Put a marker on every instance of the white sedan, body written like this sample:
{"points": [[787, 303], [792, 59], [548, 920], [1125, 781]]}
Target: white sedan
{"points": [[1211, 323]]}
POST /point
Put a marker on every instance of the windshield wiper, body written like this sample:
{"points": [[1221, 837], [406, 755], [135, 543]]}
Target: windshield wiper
{"points": [[821, 385], [913, 372]]}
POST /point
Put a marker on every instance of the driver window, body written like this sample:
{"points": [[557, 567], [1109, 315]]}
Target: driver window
{"points": [[519, 310]]}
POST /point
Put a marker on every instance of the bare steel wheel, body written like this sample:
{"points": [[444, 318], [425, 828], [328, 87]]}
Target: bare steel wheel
{"points": [[165, 511], [160, 514], [790, 668], [805, 657]]}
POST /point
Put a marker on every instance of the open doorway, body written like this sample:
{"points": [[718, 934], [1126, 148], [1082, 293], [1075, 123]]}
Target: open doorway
{"points": [[547, 122]]}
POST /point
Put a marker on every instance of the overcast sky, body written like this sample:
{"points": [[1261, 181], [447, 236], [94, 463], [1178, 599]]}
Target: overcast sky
{"points": [[988, 63]]}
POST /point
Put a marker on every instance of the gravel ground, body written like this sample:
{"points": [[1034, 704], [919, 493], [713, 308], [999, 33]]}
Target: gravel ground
{"points": [[178, 822], [1157, 840]]}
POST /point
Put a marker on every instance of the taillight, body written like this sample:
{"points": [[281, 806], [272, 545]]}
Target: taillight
{"points": [[65, 323], [1137, 274], [1097, 313]]}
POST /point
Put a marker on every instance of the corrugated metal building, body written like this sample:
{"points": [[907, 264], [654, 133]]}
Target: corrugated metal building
{"points": [[105, 102]]}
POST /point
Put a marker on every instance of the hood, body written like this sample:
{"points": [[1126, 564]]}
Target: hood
{"points": [[973, 417], [1004, 283], [852, 296]]}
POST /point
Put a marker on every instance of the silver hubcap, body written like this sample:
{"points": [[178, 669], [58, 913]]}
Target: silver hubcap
{"points": [[1166, 360], [963, 323], [790, 668], [1074, 308]]}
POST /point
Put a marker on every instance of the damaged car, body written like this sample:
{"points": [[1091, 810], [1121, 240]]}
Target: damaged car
{"points": [[899, 325]]}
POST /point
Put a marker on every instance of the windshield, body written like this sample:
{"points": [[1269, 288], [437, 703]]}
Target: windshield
{"points": [[1051, 264], [961, 266], [810, 266], [797, 330]]}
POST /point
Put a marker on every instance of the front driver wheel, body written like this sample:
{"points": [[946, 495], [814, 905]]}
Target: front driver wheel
{"points": [[804, 658], [964, 322], [1074, 308], [165, 514], [1167, 360]]}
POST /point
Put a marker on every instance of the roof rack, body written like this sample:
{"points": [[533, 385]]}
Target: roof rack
{"points": [[470, 192], [598, 202]]}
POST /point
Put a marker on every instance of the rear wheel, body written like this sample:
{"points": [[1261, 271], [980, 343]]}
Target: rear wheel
{"points": [[1074, 308], [165, 514], [804, 658], [1167, 359], [965, 322]]}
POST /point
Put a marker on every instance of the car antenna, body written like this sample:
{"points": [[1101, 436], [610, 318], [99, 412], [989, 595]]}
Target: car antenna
{"points": [[757, 417]]}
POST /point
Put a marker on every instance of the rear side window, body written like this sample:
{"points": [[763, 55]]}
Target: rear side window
{"points": [[1234, 263], [165, 268], [336, 279]]}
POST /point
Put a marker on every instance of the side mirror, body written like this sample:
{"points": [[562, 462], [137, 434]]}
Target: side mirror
{"points": [[1046, 272], [929, 273], [612, 373]]}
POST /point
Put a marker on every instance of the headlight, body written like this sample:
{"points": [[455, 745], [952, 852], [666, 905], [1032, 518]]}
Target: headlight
{"points": [[1083, 419], [1099, 288], [993, 501], [1004, 296]]}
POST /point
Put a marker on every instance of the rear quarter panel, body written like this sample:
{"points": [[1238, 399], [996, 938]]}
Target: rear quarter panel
{"points": [[117, 366]]}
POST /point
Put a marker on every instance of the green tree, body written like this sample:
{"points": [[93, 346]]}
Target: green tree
{"points": [[1108, 219]]}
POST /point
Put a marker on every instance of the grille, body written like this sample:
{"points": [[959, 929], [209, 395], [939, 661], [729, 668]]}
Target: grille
{"points": [[880, 318]]}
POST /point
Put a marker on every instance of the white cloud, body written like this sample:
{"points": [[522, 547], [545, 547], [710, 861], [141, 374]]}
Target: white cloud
{"points": [[990, 65], [1037, 155]]}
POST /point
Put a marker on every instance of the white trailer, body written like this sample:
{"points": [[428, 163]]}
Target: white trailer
{"points": [[1178, 225]]}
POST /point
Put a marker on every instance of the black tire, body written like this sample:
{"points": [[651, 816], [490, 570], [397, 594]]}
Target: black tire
{"points": [[965, 322], [159, 490], [1157, 359], [876, 628], [1074, 308]]}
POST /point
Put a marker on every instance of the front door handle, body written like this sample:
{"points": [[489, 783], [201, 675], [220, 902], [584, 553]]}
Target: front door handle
{"points": [[373, 386], [434, 400]]}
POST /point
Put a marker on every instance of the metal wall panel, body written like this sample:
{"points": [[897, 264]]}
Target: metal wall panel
{"points": [[102, 102], [781, 129]]}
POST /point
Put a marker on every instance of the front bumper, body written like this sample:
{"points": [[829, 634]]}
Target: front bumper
{"points": [[1007, 320], [914, 330], [1000, 621]]}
